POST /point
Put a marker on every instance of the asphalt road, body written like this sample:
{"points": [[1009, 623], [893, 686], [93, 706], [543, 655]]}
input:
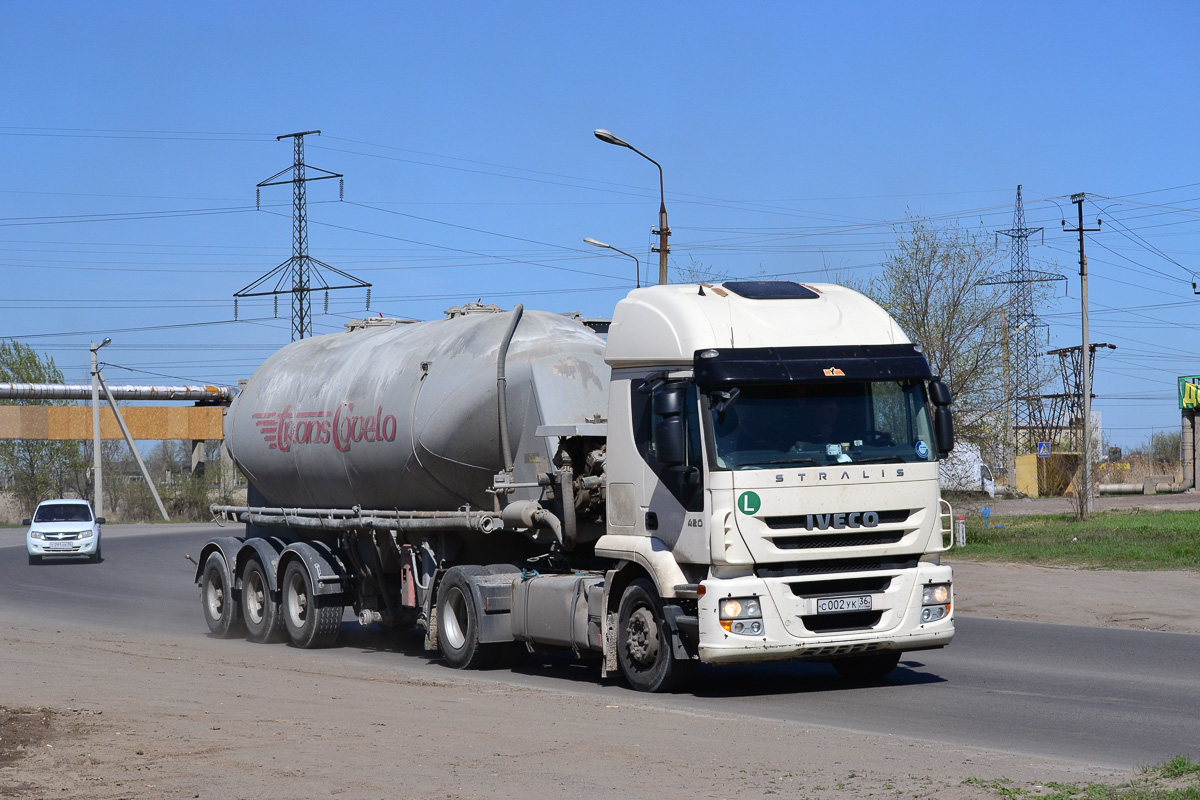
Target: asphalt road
{"points": [[1111, 697]]}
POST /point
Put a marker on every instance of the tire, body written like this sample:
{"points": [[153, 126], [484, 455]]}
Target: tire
{"points": [[217, 598], [643, 644], [260, 605], [458, 621], [33, 560], [96, 555], [311, 620], [865, 669]]}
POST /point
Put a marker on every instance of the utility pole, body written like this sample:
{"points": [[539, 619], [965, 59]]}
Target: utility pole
{"points": [[1085, 478], [302, 269], [1010, 430], [97, 471]]}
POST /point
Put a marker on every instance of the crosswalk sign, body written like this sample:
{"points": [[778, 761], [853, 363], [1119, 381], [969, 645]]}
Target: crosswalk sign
{"points": [[1043, 449]]}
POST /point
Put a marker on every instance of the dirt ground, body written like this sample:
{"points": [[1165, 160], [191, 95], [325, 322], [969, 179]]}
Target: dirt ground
{"points": [[198, 718]]}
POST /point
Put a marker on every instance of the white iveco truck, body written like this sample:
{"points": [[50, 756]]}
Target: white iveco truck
{"points": [[742, 472]]}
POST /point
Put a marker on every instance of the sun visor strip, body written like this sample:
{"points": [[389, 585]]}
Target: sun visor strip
{"points": [[788, 364]]}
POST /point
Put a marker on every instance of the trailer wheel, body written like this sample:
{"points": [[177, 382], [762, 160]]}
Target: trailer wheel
{"points": [[260, 607], [643, 644], [311, 619], [217, 598], [458, 621], [866, 668]]}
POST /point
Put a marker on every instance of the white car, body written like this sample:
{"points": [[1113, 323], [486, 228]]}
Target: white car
{"points": [[63, 528]]}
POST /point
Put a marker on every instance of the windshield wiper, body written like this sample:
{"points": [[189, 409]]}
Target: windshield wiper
{"points": [[798, 462], [880, 460]]}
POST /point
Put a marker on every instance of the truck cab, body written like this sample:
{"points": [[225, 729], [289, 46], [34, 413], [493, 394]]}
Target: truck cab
{"points": [[773, 464]]}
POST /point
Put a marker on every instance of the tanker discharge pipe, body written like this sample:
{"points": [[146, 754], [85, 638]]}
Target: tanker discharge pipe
{"points": [[502, 386]]}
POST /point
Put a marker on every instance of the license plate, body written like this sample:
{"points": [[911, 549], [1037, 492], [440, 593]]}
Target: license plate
{"points": [[834, 605], [59, 545]]}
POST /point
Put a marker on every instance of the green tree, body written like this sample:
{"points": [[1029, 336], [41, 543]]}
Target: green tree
{"points": [[40, 469]]}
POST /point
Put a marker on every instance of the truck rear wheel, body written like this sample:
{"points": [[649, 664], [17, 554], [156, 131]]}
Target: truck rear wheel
{"points": [[311, 619], [260, 608], [217, 598], [867, 668], [643, 643], [458, 621]]}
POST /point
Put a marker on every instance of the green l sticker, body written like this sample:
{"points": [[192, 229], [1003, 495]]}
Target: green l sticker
{"points": [[749, 503]]}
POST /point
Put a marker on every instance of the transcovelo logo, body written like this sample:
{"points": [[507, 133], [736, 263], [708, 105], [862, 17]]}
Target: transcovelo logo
{"points": [[342, 428]]}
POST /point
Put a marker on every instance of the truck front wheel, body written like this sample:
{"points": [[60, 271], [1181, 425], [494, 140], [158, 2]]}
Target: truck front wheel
{"points": [[458, 621], [311, 620], [644, 644]]}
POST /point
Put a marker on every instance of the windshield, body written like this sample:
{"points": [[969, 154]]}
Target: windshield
{"points": [[805, 424], [63, 512]]}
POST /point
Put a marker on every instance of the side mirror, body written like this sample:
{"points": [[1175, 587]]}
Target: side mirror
{"points": [[99, 520], [939, 393], [668, 441], [26, 522], [943, 429]]}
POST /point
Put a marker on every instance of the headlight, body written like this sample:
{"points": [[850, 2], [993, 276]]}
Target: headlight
{"points": [[741, 615], [935, 594], [740, 608], [935, 602], [85, 534], [37, 535]]}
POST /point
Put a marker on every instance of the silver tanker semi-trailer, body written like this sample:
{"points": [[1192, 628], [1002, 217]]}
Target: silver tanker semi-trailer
{"points": [[742, 472]]}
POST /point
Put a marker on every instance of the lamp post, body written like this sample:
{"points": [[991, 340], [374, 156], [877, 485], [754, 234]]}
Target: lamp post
{"points": [[664, 230], [98, 499], [595, 243]]}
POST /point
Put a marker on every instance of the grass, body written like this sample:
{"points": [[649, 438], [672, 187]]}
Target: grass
{"points": [[1177, 779], [1123, 539]]}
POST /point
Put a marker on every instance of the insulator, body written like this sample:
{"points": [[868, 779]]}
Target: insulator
{"points": [[368, 298], [258, 199], [276, 306], [326, 301], [235, 309], [341, 188]]}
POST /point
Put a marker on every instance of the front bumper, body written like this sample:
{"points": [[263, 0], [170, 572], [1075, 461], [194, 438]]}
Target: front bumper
{"points": [[69, 547], [896, 627]]}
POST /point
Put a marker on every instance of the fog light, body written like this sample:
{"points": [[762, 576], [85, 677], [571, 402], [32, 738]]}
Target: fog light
{"points": [[934, 613]]}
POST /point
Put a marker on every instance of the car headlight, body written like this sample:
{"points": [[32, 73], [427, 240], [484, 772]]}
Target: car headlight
{"points": [[37, 535], [85, 534], [741, 615]]}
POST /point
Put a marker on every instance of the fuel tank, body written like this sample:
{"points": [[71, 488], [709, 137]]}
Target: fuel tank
{"points": [[406, 417]]}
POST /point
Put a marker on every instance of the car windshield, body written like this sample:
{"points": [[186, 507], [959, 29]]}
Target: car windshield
{"points": [[805, 424], [63, 512]]}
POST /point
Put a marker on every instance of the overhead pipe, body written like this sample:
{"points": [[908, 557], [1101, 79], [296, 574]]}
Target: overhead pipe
{"points": [[68, 391]]}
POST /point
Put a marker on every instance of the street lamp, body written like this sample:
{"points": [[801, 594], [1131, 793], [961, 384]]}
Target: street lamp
{"points": [[96, 474], [663, 229], [595, 243]]}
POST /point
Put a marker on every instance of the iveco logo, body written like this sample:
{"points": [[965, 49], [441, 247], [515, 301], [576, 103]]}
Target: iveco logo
{"points": [[854, 519]]}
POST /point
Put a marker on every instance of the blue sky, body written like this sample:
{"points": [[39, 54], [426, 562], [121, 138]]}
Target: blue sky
{"points": [[792, 136]]}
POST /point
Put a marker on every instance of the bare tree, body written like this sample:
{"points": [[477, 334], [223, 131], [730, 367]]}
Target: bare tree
{"points": [[931, 284]]}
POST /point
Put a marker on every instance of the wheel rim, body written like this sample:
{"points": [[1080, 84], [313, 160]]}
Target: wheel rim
{"points": [[297, 600], [454, 621], [214, 594], [641, 637], [255, 597]]}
